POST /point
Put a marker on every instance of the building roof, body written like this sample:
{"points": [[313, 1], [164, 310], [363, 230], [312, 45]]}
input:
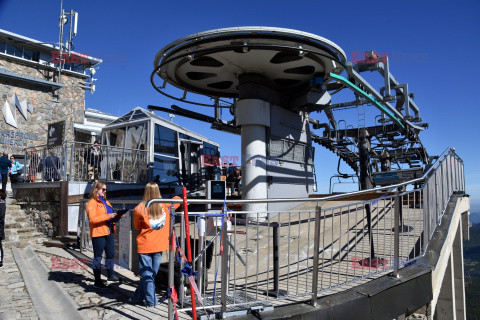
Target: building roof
{"points": [[138, 114], [41, 46], [94, 113]]}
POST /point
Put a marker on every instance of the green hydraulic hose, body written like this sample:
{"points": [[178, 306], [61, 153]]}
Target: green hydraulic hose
{"points": [[366, 95]]}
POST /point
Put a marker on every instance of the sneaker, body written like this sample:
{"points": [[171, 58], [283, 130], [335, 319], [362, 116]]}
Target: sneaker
{"points": [[113, 278], [100, 285], [1, 264]]}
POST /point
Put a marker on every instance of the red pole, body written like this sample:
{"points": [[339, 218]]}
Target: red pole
{"points": [[189, 250]]}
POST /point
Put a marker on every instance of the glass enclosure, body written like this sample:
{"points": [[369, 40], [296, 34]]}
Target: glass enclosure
{"points": [[174, 152]]}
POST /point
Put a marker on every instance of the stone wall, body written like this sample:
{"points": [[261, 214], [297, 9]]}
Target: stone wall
{"points": [[43, 205], [49, 105]]}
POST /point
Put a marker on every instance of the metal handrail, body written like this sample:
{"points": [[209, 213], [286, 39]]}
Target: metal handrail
{"points": [[382, 242], [332, 197]]}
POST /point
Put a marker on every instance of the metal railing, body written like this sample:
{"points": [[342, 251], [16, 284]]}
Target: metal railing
{"points": [[76, 161], [313, 250]]}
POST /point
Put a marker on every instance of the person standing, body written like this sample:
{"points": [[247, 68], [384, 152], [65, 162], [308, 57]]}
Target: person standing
{"points": [[5, 164], [100, 214], [52, 166], [234, 178], [15, 171], [93, 160], [153, 225], [3, 209]]}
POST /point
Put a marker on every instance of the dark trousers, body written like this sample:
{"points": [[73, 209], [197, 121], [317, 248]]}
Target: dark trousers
{"points": [[4, 181], [101, 244]]}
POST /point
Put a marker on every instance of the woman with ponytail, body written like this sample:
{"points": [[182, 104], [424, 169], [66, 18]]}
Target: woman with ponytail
{"points": [[153, 225]]}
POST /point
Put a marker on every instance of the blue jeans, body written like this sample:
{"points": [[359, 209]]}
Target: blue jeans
{"points": [[100, 244], [149, 264]]}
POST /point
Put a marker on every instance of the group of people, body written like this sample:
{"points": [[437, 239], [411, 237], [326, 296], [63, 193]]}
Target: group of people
{"points": [[14, 169], [153, 225], [10, 167]]}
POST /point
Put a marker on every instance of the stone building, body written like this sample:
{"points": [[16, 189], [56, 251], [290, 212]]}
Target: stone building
{"points": [[35, 92]]}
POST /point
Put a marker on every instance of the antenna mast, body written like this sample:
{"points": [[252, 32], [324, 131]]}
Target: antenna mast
{"points": [[72, 33]]}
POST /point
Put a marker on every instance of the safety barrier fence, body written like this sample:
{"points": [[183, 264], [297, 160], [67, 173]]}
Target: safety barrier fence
{"points": [[243, 261], [76, 161]]}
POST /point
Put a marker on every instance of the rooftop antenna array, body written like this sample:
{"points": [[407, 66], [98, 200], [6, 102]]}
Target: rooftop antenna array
{"points": [[62, 22], [66, 48]]}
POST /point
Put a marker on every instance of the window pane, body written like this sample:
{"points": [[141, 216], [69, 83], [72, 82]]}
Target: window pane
{"points": [[138, 115], [78, 68], [15, 51], [136, 137], [3, 46], [210, 149], [165, 140], [116, 137], [27, 54], [184, 136], [165, 171]]}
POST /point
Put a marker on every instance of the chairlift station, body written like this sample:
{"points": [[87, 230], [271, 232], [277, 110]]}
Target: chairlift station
{"points": [[272, 79]]}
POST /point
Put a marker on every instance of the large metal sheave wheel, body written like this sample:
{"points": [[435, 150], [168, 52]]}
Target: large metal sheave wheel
{"points": [[210, 62]]}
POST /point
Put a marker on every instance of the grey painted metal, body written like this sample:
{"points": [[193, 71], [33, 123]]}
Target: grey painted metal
{"points": [[316, 249], [396, 245], [386, 77], [73, 163], [340, 244], [334, 197], [183, 278], [171, 268], [380, 99], [254, 30], [172, 63], [5, 73], [225, 270]]}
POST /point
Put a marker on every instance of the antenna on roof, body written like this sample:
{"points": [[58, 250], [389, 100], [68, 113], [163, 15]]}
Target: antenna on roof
{"points": [[63, 20]]}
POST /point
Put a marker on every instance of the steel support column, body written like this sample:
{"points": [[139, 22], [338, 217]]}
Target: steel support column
{"points": [[253, 115]]}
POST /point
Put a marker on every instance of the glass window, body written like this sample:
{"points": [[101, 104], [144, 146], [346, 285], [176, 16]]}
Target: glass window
{"points": [[138, 115], [184, 136], [165, 140], [136, 136], [165, 171], [31, 55], [116, 137], [78, 68], [3, 46], [14, 50], [210, 149], [124, 118]]}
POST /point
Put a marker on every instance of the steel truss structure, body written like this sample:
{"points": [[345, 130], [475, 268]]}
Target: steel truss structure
{"points": [[394, 139]]}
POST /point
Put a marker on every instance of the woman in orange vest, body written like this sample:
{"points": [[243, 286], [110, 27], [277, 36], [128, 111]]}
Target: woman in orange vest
{"points": [[100, 215], [153, 225]]}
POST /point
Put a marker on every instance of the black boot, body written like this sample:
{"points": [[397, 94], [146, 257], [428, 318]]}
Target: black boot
{"points": [[98, 279]]}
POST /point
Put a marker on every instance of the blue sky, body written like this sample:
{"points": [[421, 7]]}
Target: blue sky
{"points": [[433, 46]]}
